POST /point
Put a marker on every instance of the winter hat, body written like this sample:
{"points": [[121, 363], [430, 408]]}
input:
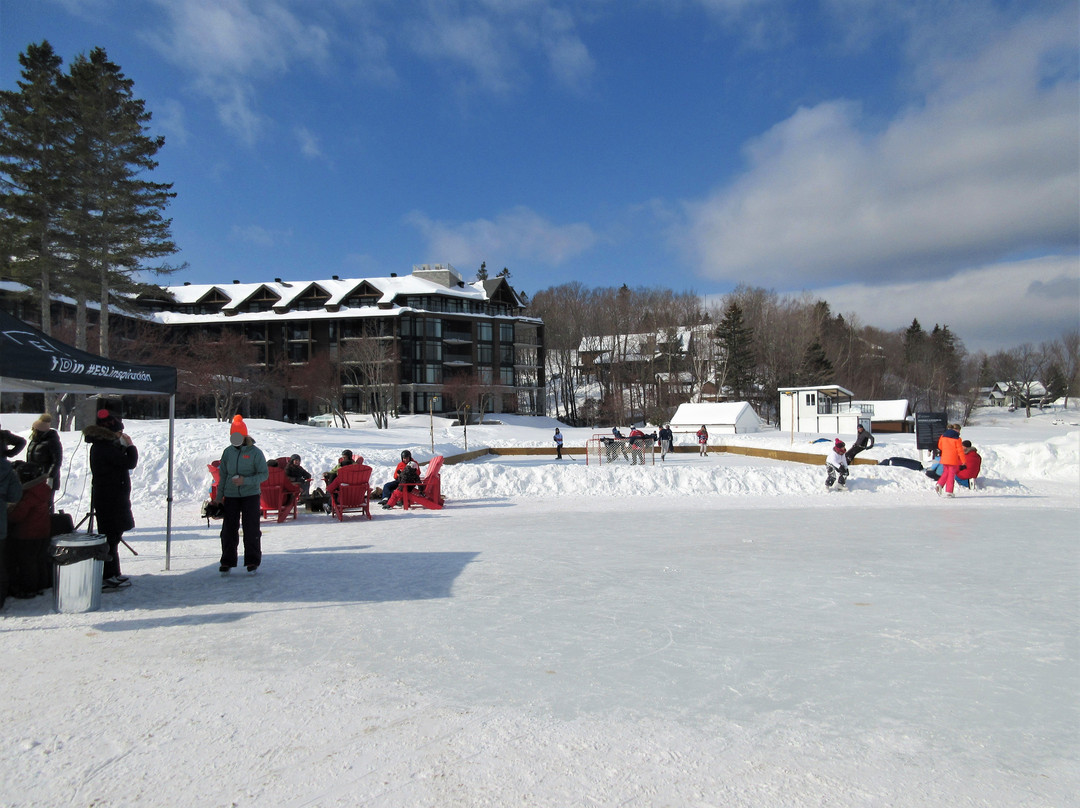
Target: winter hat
{"points": [[406, 454], [238, 425], [839, 444], [346, 453], [295, 457], [109, 421], [43, 423]]}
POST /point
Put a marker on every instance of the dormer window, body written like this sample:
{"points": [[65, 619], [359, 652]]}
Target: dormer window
{"points": [[313, 299]]}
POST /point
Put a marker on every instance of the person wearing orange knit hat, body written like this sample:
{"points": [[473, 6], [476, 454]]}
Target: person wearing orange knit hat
{"points": [[243, 471]]}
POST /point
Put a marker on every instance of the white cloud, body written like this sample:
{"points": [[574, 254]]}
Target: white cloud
{"points": [[229, 46], [989, 307], [489, 43], [983, 168], [309, 142], [260, 236], [519, 235], [169, 120]]}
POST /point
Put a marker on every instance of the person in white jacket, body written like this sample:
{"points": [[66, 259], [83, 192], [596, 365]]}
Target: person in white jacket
{"points": [[837, 466]]}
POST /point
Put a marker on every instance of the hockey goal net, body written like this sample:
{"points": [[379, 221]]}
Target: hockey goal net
{"points": [[602, 449]]}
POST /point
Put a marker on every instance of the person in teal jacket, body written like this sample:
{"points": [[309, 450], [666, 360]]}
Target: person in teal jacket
{"points": [[243, 471]]}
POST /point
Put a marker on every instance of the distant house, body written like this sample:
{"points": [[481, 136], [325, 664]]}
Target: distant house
{"points": [[726, 418], [1013, 394], [832, 409]]}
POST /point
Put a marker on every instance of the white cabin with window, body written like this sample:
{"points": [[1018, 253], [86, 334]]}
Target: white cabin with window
{"points": [[824, 409]]}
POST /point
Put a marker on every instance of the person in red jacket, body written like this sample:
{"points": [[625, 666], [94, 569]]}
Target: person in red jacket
{"points": [[407, 472], [952, 457], [971, 466]]}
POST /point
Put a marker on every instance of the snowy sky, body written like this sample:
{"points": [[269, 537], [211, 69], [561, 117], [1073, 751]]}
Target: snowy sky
{"points": [[901, 158]]}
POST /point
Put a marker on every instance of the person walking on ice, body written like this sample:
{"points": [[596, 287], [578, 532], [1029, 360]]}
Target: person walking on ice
{"points": [[558, 444], [837, 467], [665, 440]]}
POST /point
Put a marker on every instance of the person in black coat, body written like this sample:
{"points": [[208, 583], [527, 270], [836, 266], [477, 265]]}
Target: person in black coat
{"points": [[863, 441], [112, 457], [45, 452], [10, 443]]}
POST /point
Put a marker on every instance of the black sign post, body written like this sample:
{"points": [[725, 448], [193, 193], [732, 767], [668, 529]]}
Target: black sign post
{"points": [[929, 426]]}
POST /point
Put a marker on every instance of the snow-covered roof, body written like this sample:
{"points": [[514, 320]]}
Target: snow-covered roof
{"points": [[288, 293], [634, 346], [891, 410], [709, 412]]}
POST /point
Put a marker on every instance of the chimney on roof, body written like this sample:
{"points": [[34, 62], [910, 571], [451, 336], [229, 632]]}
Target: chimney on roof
{"points": [[335, 277], [187, 283], [277, 280], [235, 280], [393, 274]]}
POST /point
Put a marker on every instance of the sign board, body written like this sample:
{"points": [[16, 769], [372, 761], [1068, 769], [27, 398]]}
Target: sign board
{"points": [[929, 426]]}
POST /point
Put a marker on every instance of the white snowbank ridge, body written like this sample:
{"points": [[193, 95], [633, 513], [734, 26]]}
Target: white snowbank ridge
{"points": [[1052, 454]]}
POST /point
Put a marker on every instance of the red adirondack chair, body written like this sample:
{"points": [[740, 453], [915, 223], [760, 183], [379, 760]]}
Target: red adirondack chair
{"points": [[278, 495], [351, 491], [215, 475], [425, 494]]}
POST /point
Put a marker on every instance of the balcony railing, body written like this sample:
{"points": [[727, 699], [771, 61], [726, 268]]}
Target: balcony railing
{"points": [[838, 408]]}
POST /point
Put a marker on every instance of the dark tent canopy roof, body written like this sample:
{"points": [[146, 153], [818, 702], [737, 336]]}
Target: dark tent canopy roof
{"points": [[31, 362]]}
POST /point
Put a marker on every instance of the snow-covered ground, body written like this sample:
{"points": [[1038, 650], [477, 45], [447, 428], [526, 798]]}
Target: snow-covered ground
{"points": [[714, 631]]}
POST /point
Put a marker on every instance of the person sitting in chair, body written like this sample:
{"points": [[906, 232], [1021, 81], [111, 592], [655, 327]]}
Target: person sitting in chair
{"points": [[299, 476], [406, 473]]}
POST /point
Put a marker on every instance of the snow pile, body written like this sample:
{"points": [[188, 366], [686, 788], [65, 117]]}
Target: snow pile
{"points": [[1052, 454]]}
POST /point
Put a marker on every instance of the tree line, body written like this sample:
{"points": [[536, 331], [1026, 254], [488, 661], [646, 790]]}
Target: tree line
{"points": [[750, 342]]}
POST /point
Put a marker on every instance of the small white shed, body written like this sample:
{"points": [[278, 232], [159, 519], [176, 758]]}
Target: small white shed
{"points": [[827, 408], [724, 418]]}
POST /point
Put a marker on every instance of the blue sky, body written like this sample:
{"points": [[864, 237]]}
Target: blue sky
{"points": [[899, 158]]}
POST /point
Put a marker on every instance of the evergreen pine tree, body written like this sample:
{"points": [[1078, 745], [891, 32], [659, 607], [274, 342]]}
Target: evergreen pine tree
{"points": [[35, 140], [115, 216], [735, 342], [816, 367], [914, 343]]}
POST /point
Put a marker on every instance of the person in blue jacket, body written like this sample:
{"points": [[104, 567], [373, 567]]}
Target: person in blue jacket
{"points": [[243, 471]]}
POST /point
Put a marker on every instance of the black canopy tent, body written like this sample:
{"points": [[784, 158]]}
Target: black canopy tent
{"points": [[33, 362]]}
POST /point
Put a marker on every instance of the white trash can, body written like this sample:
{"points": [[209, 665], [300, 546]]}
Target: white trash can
{"points": [[78, 564]]}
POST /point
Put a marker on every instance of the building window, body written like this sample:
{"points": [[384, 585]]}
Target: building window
{"points": [[506, 376], [506, 332], [484, 354], [506, 354], [483, 332]]}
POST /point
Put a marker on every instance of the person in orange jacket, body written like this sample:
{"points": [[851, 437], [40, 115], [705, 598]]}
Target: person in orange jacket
{"points": [[952, 457]]}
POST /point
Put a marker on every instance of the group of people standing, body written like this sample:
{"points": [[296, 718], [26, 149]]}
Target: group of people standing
{"points": [[112, 457], [957, 462]]}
